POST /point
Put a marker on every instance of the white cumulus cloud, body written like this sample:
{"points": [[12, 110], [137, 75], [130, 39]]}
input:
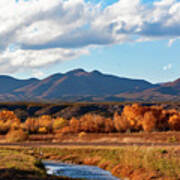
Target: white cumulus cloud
{"points": [[20, 59], [167, 67], [39, 33]]}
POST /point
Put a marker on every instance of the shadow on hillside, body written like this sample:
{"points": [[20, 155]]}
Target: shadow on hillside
{"points": [[13, 174]]}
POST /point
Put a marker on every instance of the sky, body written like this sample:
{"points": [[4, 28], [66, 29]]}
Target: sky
{"points": [[137, 39]]}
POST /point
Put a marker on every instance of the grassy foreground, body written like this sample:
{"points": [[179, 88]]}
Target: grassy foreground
{"points": [[136, 163], [18, 165]]}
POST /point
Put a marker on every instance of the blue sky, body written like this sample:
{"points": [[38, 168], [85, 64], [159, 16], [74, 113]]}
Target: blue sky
{"points": [[134, 39], [141, 61]]}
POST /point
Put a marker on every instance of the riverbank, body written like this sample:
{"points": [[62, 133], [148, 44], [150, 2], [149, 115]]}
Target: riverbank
{"points": [[133, 162], [17, 164], [145, 163]]}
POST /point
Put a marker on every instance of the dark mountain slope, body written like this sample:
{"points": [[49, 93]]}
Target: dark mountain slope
{"points": [[9, 84], [171, 88], [164, 92], [81, 83]]}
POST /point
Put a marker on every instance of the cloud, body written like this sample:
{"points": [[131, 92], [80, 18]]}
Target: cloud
{"points": [[19, 59], [171, 41], [41, 33], [167, 67], [38, 74]]}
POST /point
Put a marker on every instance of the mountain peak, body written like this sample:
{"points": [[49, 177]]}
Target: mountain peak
{"points": [[96, 72], [79, 83], [75, 71], [83, 72]]}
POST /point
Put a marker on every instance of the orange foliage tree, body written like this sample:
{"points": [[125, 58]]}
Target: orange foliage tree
{"points": [[75, 125], [8, 120], [108, 125], [134, 117], [59, 123], [31, 125], [46, 123], [95, 123], [174, 122], [149, 121], [120, 122], [91, 123]]}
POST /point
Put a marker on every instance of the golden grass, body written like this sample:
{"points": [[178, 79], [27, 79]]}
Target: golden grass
{"points": [[133, 162], [16, 136], [20, 164], [148, 161], [13, 159]]}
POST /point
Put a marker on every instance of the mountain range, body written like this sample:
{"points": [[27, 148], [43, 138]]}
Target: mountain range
{"points": [[79, 85]]}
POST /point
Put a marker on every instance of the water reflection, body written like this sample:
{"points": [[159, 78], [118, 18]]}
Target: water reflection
{"points": [[77, 171]]}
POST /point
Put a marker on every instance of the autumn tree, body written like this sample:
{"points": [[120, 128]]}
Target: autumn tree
{"points": [[149, 121], [160, 116], [174, 122], [108, 125], [8, 120], [75, 125], [134, 115], [94, 123], [98, 122], [16, 135], [46, 122], [120, 122], [87, 125], [32, 125], [59, 123]]}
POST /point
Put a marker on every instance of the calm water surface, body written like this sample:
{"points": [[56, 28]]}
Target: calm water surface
{"points": [[77, 171]]}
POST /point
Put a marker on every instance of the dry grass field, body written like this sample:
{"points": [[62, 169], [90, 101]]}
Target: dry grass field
{"points": [[132, 162], [18, 164], [141, 143]]}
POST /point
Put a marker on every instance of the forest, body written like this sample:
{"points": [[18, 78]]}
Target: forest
{"points": [[133, 118]]}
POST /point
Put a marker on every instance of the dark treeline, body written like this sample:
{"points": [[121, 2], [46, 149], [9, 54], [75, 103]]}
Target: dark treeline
{"points": [[23, 110]]}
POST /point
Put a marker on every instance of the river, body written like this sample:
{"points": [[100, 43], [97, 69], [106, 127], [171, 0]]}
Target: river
{"points": [[77, 171]]}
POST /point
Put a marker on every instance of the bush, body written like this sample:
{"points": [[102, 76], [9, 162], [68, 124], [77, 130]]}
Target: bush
{"points": [[16, 136], [120, 122], [42, 130], [8, 120], [65, 130], [75, 125], [172, 139], [82, 134], [59, 123], [47, 122], [174, 122], [58, 137], [149, 122], [32, 125]]}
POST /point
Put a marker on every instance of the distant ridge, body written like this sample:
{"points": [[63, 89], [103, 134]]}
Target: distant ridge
{"points": [[79, 85]]}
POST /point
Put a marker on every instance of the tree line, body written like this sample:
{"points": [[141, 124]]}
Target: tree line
{"points": [[134, 118]]}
